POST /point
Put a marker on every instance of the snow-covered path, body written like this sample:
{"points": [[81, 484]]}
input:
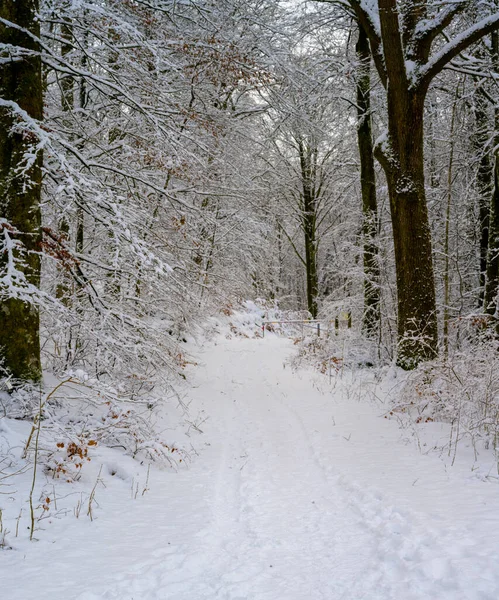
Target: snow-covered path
{"points": [[302, 492]]}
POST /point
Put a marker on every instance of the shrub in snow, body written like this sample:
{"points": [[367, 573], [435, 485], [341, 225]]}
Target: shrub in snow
{"points": [[462, 391], [78, 415], [246, 319], [336, 349]]}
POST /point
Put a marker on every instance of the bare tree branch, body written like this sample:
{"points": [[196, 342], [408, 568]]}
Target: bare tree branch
{"points": [[454, 48]]}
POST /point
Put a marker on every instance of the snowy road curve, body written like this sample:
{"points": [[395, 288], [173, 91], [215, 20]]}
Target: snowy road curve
{"points": [[302, 492]]}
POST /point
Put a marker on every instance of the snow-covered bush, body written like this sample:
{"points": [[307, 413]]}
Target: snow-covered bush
{"points": [[335, 349], [80, 413], [247, 318], [462, 391]]}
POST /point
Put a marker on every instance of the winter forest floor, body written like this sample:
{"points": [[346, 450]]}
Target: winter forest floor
{"points": [[301, 490]]}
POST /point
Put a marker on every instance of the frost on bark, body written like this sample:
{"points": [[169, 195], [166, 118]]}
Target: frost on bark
{"points": [[20, 184]]}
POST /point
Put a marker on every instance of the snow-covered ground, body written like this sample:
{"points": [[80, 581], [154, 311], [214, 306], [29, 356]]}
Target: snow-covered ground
{"points": [[301, 490]]}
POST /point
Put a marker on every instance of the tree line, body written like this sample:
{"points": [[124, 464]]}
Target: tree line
{"points": [[160, 159]]}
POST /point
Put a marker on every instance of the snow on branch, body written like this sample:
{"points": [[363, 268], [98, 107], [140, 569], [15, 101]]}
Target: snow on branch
{"points": [[14, 283], [430, 28], [367, 14], [452, 49], [31, 130]]}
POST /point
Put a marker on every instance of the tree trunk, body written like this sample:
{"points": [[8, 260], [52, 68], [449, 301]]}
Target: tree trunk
{"points": [[371, 316], [63, 288], [417, 319], [309, 224], [484, 182], [492, 285], [21, 83], [447, 288], [311, 264], [492, 288], [401, 47], [401, 156]]}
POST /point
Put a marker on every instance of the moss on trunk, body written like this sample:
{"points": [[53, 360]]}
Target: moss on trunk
{"points": [[20, 190]]}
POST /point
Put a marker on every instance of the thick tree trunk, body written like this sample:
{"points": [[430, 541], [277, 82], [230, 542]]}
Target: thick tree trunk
{"points": [[417, 319], [402, 51], [401, 156], [21, 83], [371, 316]]}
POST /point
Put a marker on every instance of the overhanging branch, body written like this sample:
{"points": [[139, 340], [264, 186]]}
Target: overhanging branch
{"points": [[453, 48]]}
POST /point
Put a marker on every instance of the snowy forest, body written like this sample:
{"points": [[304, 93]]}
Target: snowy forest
{"points": [[206, 201]]}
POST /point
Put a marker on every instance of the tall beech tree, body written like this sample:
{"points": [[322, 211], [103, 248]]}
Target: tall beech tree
{"points": [[21, 102], [402, 37]]}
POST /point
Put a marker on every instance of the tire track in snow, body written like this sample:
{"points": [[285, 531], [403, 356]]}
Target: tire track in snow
{"points": [[406, 557], [308, 538]]}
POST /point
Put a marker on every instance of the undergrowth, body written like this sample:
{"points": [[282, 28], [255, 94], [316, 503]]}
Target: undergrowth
{"points": [[462, 391]]}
